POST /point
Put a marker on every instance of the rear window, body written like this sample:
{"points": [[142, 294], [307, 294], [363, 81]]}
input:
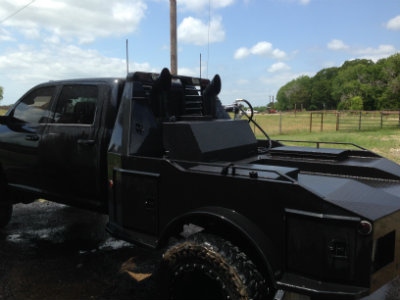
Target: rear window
{"points": [[77, 104]]}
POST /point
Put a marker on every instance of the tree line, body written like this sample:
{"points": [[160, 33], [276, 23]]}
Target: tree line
{"points": [[358, 84]]}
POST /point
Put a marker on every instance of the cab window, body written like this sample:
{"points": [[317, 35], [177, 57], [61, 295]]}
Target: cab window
{"points": [[77, 104], [35, 107]]}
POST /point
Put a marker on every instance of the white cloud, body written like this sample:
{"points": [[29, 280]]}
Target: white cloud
{"points": [[5, 35], [381, 50], [368, 52], [200, 5], [376, 53], [262, 49], [62, 61], [27, 66], [278, 80], [394, 24], [194, 72], [337, 45], [302, 2], [71, 20], [242, 81], [278, 67], [276, 53], [241, 53], [194, 31], [257, 94]]}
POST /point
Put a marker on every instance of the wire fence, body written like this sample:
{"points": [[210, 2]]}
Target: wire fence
{"points": [[296, 122]]}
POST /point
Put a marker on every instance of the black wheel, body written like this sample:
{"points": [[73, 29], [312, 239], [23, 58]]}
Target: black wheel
{"points": [[206, 266], [5, 214]]}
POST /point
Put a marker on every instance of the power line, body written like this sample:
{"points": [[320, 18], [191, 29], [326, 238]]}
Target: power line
{"points": [[16, 12], [208, 34]]}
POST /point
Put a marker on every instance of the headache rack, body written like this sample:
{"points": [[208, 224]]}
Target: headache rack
{"points": [[179, 97]]}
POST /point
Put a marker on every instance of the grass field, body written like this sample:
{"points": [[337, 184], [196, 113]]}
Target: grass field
{"points": [[291, 123], [2, 112]]}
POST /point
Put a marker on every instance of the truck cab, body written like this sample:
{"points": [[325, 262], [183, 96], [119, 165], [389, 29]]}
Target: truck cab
{"points": [[55, 140]]}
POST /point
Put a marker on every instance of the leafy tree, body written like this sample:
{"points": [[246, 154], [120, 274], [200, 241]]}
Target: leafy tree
{"points": [[282, 97], [1, 93], [390, 76], [354, 103], [297, 93], [390, 98], [322, 88], [357, 83], [354, 79]]}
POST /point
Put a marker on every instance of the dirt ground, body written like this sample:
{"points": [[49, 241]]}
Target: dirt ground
{"points": [[51, 251]]}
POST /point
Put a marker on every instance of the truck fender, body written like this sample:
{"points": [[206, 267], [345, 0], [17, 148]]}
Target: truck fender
{"points": [[233, 226]]}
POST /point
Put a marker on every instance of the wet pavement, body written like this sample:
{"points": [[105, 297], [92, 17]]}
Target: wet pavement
{"points": [[52, 251]]}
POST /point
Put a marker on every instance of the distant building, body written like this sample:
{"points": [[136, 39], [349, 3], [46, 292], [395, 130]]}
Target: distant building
{"points": [[249, 111]]}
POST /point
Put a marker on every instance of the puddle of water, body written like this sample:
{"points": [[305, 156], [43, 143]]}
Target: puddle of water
{"points": [[14, 238], [114, 244], [45, 233]]}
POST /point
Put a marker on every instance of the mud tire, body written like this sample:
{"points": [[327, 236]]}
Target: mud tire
{"points": [[5, 214], [205, 266]]}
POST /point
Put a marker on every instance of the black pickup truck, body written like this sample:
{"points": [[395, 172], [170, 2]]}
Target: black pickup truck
{"points": [[236, 217]]}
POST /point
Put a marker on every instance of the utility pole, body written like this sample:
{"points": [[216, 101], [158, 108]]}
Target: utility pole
{"points": [[174, 55]]}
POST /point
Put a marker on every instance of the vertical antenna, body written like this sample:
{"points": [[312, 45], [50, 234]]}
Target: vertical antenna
{"points": [[127, 57], [200, 65], [174, 56]]}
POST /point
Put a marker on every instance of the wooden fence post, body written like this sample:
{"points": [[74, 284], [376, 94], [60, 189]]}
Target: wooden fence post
{"points": [[280, 123], [337, 120], [359, 121], [311, 122], [381, 120], [322, 121]]}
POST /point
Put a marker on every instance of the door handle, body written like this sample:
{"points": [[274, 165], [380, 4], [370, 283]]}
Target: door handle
{"points": [[86, 142], [32, 137], [149, 203]]}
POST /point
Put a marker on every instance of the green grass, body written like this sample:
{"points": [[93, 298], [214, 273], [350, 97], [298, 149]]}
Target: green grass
{"points": [[289, 123], [2, 112]]}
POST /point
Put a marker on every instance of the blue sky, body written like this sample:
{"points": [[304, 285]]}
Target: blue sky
{"points": [[255, 45]]}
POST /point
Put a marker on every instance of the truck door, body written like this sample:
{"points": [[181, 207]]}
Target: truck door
{"points": [[20, 138], [69, 147]]}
